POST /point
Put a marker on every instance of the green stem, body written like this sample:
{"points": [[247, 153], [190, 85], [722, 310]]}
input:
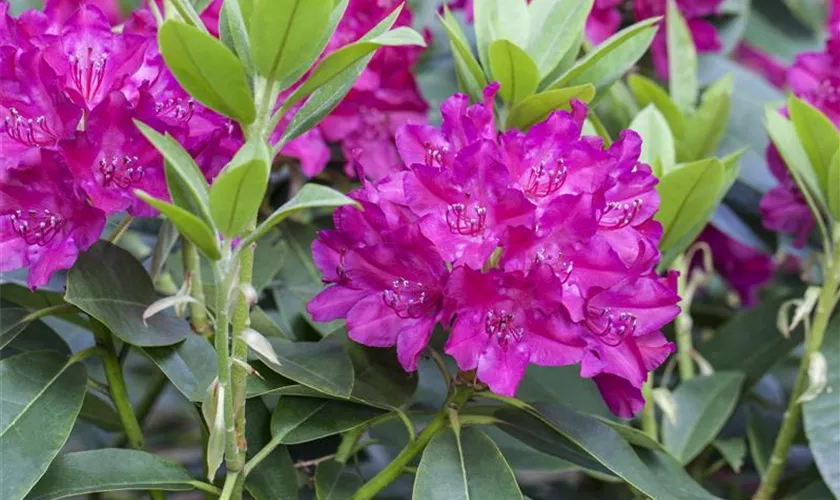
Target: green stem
{"points": [[649, 410], [682, 325], [231, 482], [192, 271], [239, 378], [222, 340], [396, 468], [146, 404], [121, 229], [116, 385], [813, 342], [48, 311]]}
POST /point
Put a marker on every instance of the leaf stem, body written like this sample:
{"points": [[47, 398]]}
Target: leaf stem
{"points": [[144, 407], [396, 468], [683, 323], [121, 229], [222, 344], [192, 271], [649, 410], [239, 377], [47, 311], [813, 341], [231, 481]]}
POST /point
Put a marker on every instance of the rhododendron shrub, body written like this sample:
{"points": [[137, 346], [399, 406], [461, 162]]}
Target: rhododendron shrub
{"points": [[357, 249]]}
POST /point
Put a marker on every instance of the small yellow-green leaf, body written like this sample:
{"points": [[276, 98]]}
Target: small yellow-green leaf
{"points": [[648, 92], [705, 128], [471, 75], [554, 29], [682, 59], [237, 192], [537, 107], [514, 70], [657, 139], [188, 224], [818, 135], [207, 69]]}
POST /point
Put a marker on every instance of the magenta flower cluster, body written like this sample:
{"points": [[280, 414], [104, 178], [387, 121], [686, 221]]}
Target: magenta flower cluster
{"points": [[815, 78], [71, 87], [535, 247]]}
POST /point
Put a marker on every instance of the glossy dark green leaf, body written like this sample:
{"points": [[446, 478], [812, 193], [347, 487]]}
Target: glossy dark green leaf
{"points": [[761, 435], [562, 385], [207, 69], [682, 59], [706, 127], [335, 481], [819, 137], [40, 398], [108, 283], [537, 107], [100, 413], [37, 336], [464, 466], [814, 491], [323, 366], [657, 139], [284, 36], [733, 450], [522, 457], [274, 478], [610, 60], [103, 470], [515, 71], [820, 415], [12, 323], [190, 365], [554, 28], [238, 190], [703, 405], [379, 379], [648, 92], [189, 225], [301, 419]]}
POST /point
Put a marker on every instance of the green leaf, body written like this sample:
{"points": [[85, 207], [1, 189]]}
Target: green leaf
{"points": [[499, 20], [96, 471], [817, 490], [186, 183], [833, 194], [334, 64], [207, 69], [334, 481], [472, 76], [734, 451], [108, 283], [190, 365], [323, 366], [39, 337], [655, 474], [514, 70], [610, 60], [689, 195], [284, 36], [40, 398], [274, 478], [379, 379], [682, 59], [536, 108], [647, 92], [12, 323], [818, 136], [310, 196], [463, 466], [234, 32], [192, 227], [302, 419], [238, 190], [761, 435], [820, 414], [703, 405], [705, 129], [555, 27], [100, 413], [657, 139]]}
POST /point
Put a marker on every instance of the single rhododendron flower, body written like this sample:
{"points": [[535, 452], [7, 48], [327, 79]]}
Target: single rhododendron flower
{"points": [[44, 220], [530, 248]]}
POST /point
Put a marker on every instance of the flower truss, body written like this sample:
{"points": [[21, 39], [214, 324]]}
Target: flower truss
{"points": [[535, 247]]}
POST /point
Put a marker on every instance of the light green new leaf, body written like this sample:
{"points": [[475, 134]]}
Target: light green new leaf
{"points": [[186, 183], [706, 127], [285, 36], [703, 405], [310, 196], [465, 465], [648, 92], [188, 224], [818, 136], [40, 398], [109, 284], [834, 186], [238, 190], [302, 419], [207, 69], [657, 140], [469, 72], [554, 30], [515, 71], [334, 64], [611, 59], [96, 471], [682, 59], [499, 20], [820, 414], [537, 107]]}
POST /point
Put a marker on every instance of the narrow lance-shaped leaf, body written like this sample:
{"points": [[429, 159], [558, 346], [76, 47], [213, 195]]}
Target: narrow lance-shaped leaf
{"points": [[706, 127], [648, 92], [207, 69], [472, 76], [657, 139], [555, 27], [819, 137], [238, 190], [193, 228], [834, 186], [497, 20], [682, 59], [514, 69]]}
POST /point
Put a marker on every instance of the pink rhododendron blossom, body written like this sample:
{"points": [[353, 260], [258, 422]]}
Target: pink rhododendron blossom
{"points": [[604, 20], [44, 220], [743, 267], [766, 65], [534, 247]]}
